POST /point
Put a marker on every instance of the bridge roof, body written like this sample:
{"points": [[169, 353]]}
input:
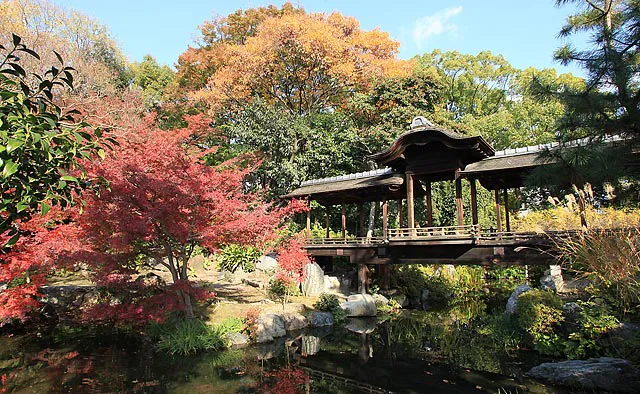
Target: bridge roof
{"points": [[353, 188]]}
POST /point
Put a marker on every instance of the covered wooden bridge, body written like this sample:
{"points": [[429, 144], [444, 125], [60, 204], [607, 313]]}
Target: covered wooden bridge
{"points": [[419, 157]]}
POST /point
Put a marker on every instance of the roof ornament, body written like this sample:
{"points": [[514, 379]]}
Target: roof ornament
{"points": [[420, 122]]}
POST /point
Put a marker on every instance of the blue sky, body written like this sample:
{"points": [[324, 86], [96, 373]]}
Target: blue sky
{"points": [[524, 31]]}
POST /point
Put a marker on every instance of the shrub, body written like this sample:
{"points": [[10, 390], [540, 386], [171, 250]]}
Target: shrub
{"points": [[330, 303], [251, 322], [540, 315], [594, 320], [390, 307], [232, 256], [411, 279]]}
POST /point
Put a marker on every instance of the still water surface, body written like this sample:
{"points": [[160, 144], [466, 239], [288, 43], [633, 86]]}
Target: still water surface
{"points": [[415, 352]]}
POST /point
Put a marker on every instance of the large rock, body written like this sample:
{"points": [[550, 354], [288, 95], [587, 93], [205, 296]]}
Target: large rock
{"points": [[294, 321], [331, 284], [237, 340], [269, 327], [359, 305], [321, 319], [512, 302], [267, 264], [380, 300], [552, 279], [604, 373], [401, 299], [313, 284]]}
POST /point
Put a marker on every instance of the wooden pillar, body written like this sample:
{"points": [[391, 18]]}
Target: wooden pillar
{"points": [[309, 220], [385, 277], [400, 214], [363, 272], [344, 221], [459, 207], [506, 209], [326, 223], [474, 201], [410, 207], [429, 204], [498, 211], [361, 231], [385, 219]]}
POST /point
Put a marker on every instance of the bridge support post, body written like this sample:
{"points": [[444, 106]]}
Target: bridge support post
{"points": [[385, 279], [326, 223], [361, 232], [309, 220], [429, 203], [385, 219], [363, 273], [506, 209], [474, 201], [344, 221], [459, 207], [498, 211], [410, 206]]}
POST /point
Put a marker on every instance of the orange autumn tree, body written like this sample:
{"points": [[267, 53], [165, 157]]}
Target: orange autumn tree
{"points": [[302, 62]]}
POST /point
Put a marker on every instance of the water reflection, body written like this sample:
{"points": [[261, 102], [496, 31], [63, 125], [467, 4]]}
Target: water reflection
{"points": [[412, 353]]}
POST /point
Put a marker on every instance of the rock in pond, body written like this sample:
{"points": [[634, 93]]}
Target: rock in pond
{"points": [[237, 340], [604, 373], [359, 305], [294, 321], [361, 326], [320, 319], [269, 327], [512, 302]]}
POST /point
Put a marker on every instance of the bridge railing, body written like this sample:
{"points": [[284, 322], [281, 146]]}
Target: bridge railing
{"points": [[345, 241], [469, 231]]}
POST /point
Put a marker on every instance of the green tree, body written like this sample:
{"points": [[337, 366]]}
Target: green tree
{"points": [[41, 147], [153, 79], [609, 101]]}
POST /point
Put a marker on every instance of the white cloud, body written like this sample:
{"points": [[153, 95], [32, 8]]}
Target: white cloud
{"points": [[434, 25]]}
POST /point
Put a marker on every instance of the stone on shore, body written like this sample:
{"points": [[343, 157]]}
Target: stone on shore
{"points": [[267, 264], [313, 284], [604, 373], [321, 319], [512, 303], [359, 305], [269, 327], [294, 321]]}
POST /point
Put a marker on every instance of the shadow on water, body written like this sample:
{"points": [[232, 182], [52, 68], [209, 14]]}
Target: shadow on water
{"points": [[410, 353]]}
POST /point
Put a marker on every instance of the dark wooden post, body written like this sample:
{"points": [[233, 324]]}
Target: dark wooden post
{"points": [[363, 272], [429, 202], [474, 201], [344, 221], [326, 222], [410, 207], [506, 209], [385, 281], [459, 207], [400, 214], [498, 211], [385, 219], [309, 219], [361, 231]]}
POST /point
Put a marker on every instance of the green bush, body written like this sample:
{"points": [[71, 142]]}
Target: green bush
{"points": [[390, 307], [330, 303], [540, 315], [232, 256], [411, 279], [594, 321]]}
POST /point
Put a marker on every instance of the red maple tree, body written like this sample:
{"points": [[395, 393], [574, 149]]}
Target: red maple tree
{"points": [[162, 202]]}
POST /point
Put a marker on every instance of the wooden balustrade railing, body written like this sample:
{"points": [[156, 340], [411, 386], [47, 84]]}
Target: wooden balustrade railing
{"points": [[433, 232]]}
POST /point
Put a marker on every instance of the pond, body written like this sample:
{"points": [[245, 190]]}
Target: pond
{"points": [[412, 352]]}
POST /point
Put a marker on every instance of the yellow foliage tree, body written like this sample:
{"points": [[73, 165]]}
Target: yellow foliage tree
{"points": [[303, 62]]}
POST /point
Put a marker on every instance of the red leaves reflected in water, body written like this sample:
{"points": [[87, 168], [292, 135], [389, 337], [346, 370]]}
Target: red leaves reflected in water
{"points": [[286, 380]]}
